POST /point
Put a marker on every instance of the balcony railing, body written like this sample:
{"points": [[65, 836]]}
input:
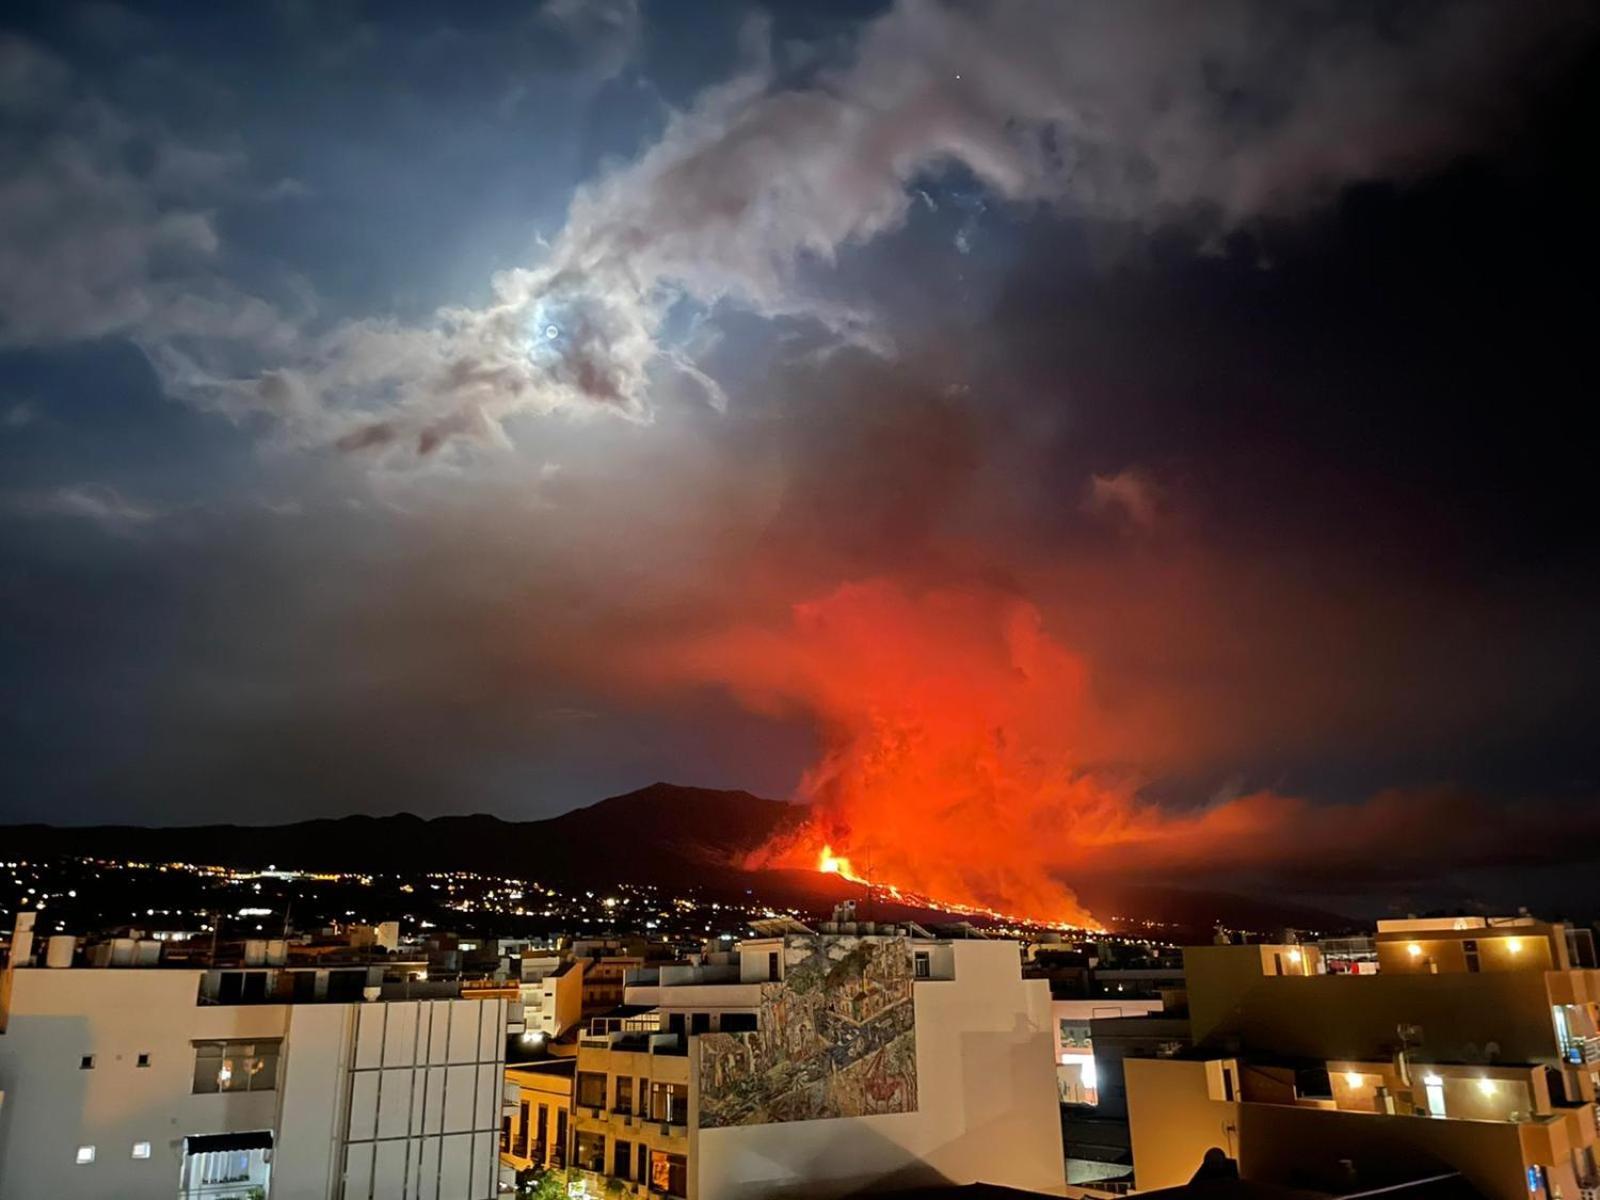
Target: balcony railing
{"points": [[1583, 1051]]}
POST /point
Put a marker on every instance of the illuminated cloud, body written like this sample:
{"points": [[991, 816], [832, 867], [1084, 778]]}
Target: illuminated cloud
{"points": [[1133, 112]]}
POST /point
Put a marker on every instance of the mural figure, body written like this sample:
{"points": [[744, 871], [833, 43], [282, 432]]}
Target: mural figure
{"points": [[837, 1038]]}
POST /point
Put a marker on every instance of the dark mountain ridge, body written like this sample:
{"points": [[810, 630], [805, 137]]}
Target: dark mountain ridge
{"points": [[664, 834]]}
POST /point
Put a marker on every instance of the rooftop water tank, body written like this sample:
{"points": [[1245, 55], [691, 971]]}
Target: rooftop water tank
{"points": [[58, 950]]}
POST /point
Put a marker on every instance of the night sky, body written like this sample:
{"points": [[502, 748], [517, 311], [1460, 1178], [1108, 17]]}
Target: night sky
{"points": [[1052, 440]]}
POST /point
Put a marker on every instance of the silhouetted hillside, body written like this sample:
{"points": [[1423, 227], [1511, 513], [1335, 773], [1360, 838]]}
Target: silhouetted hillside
{"points": [[665, 834]]}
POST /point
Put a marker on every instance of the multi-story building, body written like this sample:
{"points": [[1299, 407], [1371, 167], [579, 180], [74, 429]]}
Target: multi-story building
{"points": [[552, 987], [534, 1130], [824, 1062], [1072, 1022], [1475, 1045], [165, 1081], [605, 979]]}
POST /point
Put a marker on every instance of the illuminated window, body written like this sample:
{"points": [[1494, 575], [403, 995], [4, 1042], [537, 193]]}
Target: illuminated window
{"points": [[85, 1155], [1435, 1090], [141, 1149], [236, 1066]]}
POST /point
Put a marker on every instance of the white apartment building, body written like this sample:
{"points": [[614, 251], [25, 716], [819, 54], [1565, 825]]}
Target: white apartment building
{"points": [[822, 1064], [551, 987], [132, 1083]]}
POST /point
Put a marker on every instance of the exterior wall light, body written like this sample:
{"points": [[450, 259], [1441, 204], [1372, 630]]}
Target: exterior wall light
{"points": [[1414, 950], [1514, 945], [1353, 1078], [1486, 1086]]}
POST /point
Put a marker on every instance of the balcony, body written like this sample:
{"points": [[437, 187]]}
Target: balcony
{"points": [[1582, 1051]]}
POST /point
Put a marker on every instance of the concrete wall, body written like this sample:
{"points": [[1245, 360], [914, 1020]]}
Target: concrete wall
{"points": [[53, 1106], [1173, 1121], [1277, 1144], [424, 1101], [307, 1162], [415, 1084], [1506, 948], [987, 1108], [1354, 1016]]}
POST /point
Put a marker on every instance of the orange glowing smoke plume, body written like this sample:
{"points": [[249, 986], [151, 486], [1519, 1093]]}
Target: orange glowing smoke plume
{"points": [[964, 759], [948, 721]]}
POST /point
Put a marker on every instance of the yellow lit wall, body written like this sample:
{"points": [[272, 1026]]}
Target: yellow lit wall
{"points": [[1173, 1120]]}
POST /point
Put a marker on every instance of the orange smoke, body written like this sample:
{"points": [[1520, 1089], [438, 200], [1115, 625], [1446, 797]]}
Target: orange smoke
{"points": [[966, 761], [949, 720]]}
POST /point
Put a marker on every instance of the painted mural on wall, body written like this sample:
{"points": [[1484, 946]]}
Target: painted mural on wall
{"points": [[837, 1038]]}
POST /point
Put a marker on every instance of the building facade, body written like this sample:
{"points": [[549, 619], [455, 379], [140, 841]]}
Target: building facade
{"points": [[824, 1062], [137, 1082], [1475, 1046]]}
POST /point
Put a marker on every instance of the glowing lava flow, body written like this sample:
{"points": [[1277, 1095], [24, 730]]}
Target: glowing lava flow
{"points": [[829, 863]]}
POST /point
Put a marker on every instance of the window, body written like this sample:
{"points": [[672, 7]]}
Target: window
{"points": [[141, 1150], [669, 1174], [1469, 947], [144, 1060], [236, 1066], [505, 1135], [590, 1152], [591, 1089], [772, 967], [923, 965], [1075, 1034], [669, 1103], [86, 1063], [738, 1022], [624, 1102], [699, 1022], [536, 1146], [1433, 1087], [520, 1146], [85, 1155], [621, 1157]]}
